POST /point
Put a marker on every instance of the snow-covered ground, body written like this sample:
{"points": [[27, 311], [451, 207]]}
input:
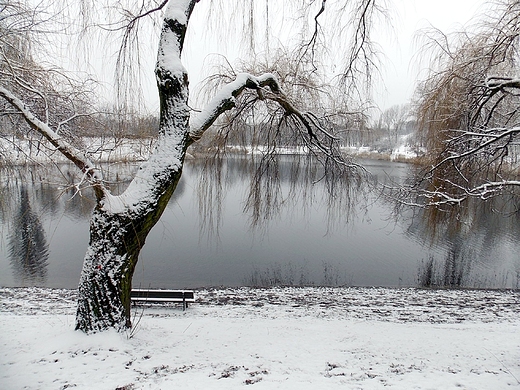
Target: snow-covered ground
{"points": [[279, 338], [22, 151]]}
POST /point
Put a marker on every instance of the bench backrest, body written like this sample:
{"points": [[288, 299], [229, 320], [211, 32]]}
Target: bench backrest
{"points": [[174, 295]]}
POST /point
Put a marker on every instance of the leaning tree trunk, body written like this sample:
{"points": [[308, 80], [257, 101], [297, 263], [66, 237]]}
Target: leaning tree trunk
{"points": [[116, 240], [121, 223]]}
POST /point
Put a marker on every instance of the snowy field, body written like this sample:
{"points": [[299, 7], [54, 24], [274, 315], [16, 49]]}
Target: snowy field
{"points": [[280, 338]]}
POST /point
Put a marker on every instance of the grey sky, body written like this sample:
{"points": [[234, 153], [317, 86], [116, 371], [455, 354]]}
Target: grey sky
{"points": [[398, 43], [409, 16], [399, 72]]}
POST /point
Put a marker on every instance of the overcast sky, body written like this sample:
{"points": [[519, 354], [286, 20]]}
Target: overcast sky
{"points": [[398, 44], [409, 16], [398, 71]]}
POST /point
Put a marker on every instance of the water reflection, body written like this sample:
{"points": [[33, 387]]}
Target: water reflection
{"points": [[289, 274], [287, 229], [27, 246], [271, 188], [478, 240]]}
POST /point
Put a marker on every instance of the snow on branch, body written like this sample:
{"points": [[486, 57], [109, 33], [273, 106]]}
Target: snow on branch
{"points": [[484, 191], [488, 189], [497, 82], [68, 150], [492, 136], [267, 87], [225, 100]]}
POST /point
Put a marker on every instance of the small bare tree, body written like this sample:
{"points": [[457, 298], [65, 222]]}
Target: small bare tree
{"points": [[394, 120]]}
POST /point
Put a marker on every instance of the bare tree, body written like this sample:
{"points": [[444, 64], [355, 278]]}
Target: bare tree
{"points": [[59, 98], [394, 120], [468, 111], [120, 224]]}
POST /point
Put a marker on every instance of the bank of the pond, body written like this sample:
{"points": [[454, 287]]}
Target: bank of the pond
{"points": [[21, 151], [278, 338]]}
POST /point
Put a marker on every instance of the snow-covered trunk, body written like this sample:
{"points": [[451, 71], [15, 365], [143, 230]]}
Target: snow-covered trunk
{"points": [[120, 224], [116, 240]]}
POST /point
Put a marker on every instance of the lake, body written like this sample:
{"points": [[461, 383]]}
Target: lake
{"points": [[294, 234]]}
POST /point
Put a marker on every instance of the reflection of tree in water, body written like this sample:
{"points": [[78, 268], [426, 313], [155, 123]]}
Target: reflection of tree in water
{"points": [[276, 184], [453, 271], [469, 233], [27, 246]]}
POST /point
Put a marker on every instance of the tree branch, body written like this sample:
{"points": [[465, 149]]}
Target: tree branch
{"points": [[225, 100], [68, 150], [493, 139], [497, 83], [267, 87]]}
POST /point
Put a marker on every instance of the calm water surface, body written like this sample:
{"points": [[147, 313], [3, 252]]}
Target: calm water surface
{"points": [[305, 241]]}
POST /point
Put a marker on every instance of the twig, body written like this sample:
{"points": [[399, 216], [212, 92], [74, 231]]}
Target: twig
{"points": [[503, 365]]}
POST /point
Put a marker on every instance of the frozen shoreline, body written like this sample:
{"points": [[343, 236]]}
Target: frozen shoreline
{"points": [[286, 338]]}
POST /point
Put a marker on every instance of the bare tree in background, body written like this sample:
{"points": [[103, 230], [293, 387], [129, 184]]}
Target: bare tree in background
{"points": [[394, 120], [56, 96], [468, 111], [120, 224]]}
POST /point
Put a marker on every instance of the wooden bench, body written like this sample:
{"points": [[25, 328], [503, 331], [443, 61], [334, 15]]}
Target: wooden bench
{"points": [[155, 296]]}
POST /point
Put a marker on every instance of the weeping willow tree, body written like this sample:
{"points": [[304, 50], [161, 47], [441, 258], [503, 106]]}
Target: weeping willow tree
{"points": [[468, 111], [120, 223], [468, 118]]}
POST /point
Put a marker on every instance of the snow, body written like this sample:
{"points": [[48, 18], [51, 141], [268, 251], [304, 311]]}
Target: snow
{"points": [[176, 10], [169, 55], [202, 120], [280, 338], [101, 149]]}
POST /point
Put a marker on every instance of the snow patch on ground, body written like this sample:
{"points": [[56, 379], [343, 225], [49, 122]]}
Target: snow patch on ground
{"points": [[279, 338]]}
